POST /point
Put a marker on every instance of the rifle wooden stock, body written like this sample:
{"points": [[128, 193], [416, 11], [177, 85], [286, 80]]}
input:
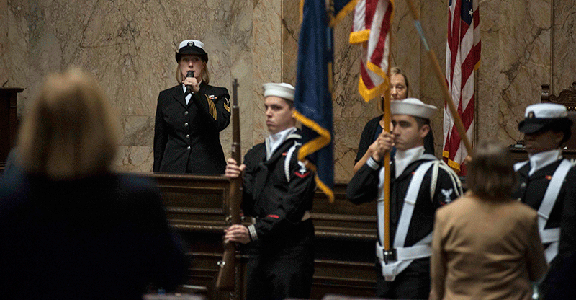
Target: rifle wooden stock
{"points": [[227, 274]]}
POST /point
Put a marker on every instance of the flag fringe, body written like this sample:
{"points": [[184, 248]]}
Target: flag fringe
{"points": [[334, 20], [369, 94], [359, 37], [454, 165], [312, 146]]}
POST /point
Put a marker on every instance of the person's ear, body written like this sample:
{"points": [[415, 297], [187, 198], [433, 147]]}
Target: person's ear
{"points": [[424, 130]]}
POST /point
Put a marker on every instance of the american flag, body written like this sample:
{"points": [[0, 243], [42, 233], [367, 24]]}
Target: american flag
{"points": [[371, 29], [462, 59]]}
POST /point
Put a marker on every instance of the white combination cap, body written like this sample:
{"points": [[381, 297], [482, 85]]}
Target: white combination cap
{"points": [[412, 107], [282, 90], [543, 116], [191, 47], [191, 43], [546, 111]]}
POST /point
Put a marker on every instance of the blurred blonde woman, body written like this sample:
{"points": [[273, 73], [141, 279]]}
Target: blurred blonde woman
{"points": [[485, 244], [70, 227]]}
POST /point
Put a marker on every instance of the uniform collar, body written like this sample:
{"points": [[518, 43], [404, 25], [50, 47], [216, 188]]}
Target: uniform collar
{"points": [[403, 158], [542, 159], [275, 140]]}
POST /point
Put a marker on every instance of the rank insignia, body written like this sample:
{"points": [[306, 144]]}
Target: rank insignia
{"points": [[302, 172]]}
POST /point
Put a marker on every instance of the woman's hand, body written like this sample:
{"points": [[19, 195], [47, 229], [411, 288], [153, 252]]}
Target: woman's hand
{"points": [[192, 82]]}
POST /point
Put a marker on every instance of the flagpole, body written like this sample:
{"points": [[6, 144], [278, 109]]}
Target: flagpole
{"points": [[386, 186], [441, 80]]}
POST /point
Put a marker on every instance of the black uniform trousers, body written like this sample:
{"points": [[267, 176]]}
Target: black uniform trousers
{"points": [[412, 283], [282, 267], [281, 254]]}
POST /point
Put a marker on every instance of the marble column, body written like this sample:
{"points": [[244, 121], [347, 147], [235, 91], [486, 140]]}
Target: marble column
{"points": [[515, 62], [3, 42], [563, 44]]}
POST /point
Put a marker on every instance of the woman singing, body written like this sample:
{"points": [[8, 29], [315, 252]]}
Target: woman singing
{"points": [[190, 116]]}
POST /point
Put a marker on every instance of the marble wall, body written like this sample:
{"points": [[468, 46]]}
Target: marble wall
{"points": [[129, 46]]}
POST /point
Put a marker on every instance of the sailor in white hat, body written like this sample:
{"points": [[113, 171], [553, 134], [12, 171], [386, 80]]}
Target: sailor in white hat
{"points": [[545, 178], [420, 184], [190, 116], [278, 193]]}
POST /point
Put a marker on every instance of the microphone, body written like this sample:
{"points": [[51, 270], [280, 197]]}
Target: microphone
{"points": [[189, 87]]}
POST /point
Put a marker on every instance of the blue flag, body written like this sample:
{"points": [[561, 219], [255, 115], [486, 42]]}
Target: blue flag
{"points": [[341, 9], [312, 98]]}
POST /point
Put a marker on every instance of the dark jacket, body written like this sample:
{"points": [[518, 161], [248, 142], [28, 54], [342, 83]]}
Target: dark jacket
{"points": [[187, 137], [277, 203], [363, 187], [531, 189], [101, 237]]}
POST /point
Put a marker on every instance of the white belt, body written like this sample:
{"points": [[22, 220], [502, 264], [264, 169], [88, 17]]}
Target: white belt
{"points": [[404, 256], [406, 253], [550, 235], [551, 252]]}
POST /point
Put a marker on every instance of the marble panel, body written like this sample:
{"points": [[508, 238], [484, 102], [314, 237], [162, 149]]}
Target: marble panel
{"points": [[137, 159], [434, 19], [241, 44], [267, 50], [405, 53], [290, 35], [524, 61], [3, 43], [564, 44], [138, 130]]}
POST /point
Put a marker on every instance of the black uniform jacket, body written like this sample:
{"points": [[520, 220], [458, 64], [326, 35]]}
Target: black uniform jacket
{"points": [[277, 203], [187, 137], [364, 188], [531, 189]]}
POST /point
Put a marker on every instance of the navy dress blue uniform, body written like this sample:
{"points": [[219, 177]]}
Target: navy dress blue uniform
{"points": [[187, 136], [419, 185], [545, 183], [531, 190], [278, 195], [561, 276], [414, 281]]}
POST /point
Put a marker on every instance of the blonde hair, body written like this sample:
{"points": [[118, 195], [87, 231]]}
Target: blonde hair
{"points": [[205, 74], [491, 175], [70, 131]]}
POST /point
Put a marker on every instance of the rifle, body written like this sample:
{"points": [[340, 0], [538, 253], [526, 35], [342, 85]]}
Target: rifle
{"points": [[227, 274]]}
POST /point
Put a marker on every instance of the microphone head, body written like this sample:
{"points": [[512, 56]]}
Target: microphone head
{"points": [[190, 74]]}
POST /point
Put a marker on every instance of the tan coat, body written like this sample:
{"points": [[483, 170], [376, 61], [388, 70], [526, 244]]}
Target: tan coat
{"points": [[485, 250]]}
